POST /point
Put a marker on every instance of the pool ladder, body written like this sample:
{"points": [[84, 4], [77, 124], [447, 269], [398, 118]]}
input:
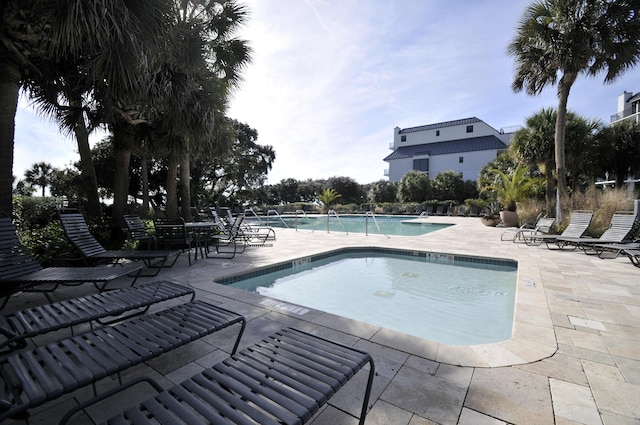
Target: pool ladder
{"points": [[366, 223], [269, 214], [304, 215], [333, 213]]}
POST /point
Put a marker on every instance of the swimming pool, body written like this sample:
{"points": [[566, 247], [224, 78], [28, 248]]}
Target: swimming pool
{"points": [[446, 298], [354, 223]]}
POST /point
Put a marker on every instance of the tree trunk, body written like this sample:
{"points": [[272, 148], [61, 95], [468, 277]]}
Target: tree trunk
{"points": [[145, 183], [87, 170], [564, 86], [9, 88], [172, 189], [549, 186], [123, 140], [185, 188]]}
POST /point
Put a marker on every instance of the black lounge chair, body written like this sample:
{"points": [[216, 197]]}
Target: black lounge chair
{"points": [[19, 271], [579, 224], [621, 225], [138, 231], [113, 304], [30, 378], [284, 379], [173, 233], [92, 252]]}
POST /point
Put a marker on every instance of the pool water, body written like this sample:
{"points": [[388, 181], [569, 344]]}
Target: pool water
{"points": [[434, 296], [386, 224]]}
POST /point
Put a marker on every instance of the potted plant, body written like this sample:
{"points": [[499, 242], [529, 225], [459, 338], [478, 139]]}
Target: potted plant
{"points": [[492, 216], [511, 189]]}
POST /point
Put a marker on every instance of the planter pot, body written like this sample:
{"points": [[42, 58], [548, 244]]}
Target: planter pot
{"points": [[509, 218], [490, 220]]}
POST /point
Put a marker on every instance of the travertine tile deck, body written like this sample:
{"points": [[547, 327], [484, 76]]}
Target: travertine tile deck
{"points": [[574, 356]]}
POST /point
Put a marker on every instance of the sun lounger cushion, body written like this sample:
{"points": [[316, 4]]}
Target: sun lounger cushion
{"points": [[284, 379], [37, 320], [30, 378]]}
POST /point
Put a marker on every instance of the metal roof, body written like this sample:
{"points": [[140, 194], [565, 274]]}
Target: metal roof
{"points": [[473, 144], [463, 121]]}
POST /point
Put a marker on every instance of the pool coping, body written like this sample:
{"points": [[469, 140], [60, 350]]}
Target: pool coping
{"points": [[532, 338]]}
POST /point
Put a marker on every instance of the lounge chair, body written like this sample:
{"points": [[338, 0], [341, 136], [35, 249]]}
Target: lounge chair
{"points": [[579, 223], [284, 379], [634, 256], [613, 250], [138, 231], [621, 225], [92, 252], [116, 304], [172, 233], [19, 271], [542, 226], [30, 378]]}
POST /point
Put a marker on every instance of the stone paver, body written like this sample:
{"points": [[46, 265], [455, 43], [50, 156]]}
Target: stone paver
{"points": [[573, 358]]}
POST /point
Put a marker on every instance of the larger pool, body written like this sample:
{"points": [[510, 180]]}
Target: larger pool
{"points": [[445, 298], [397, 225]]}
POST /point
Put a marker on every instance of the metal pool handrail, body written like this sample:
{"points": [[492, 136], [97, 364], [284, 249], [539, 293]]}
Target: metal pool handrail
{"points": [[277, 215], [366, 223], [308, 220], [334, 213]]}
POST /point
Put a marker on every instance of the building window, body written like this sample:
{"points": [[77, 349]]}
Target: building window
{"points": [[403, 138], [469, 129], [461, 159], [437, 132], [421, 164]]}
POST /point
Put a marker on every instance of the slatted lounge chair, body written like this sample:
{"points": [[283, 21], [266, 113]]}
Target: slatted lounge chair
{"points": [[621, 225], [19, 271], [111, 305], [92, 252], [518, 235], [138, 231], [284, 379], [30, 378], [172, 233], [634, 256], [579, 223], [613, 250]]}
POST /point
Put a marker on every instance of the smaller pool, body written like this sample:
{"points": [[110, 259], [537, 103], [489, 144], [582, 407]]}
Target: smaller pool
{"points": [[445, 298], [392, 225]]}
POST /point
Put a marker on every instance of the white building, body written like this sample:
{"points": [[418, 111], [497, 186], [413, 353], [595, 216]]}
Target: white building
{"points": [[463, 146], [628, 107]]}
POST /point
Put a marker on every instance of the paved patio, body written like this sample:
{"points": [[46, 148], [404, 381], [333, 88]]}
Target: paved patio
{"points": [[574, 356]]}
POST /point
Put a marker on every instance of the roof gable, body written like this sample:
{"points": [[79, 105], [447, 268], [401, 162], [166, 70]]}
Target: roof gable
{"points": [[473, 144]]}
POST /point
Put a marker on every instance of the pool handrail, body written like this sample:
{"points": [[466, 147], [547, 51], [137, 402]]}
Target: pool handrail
{"points": [[253, 213], [334, 213], [366, 224], [305, 216], [277, 215]]}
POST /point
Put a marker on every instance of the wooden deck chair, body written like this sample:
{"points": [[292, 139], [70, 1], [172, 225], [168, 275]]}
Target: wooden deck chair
{"points": [[579, 224], [30, 378], [92, 252], [622, 223], [114, 305], [284, 379], [19, 271]]}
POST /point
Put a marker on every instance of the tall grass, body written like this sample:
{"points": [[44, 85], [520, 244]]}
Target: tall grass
{"points": [[603, 203]]}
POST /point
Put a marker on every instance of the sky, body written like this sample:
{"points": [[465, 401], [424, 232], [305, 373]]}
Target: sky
{"points": [[330, 80]]}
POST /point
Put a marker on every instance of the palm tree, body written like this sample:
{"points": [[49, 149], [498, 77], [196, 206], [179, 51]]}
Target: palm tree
{"points": [[39, 175], [564, 38], [328, 196]]}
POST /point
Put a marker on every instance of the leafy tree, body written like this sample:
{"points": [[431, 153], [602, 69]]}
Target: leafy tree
{"points": [[288, 190], [448, 185], [557, 40], [414, 186], [620, 150], [24, 189], [39, 175], [383, 191], [350, 189]]}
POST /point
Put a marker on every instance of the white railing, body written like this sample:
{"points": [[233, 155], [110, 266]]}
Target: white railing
{"points": [[304, 215], [274, 212], [366, 223], [333, 213]]}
